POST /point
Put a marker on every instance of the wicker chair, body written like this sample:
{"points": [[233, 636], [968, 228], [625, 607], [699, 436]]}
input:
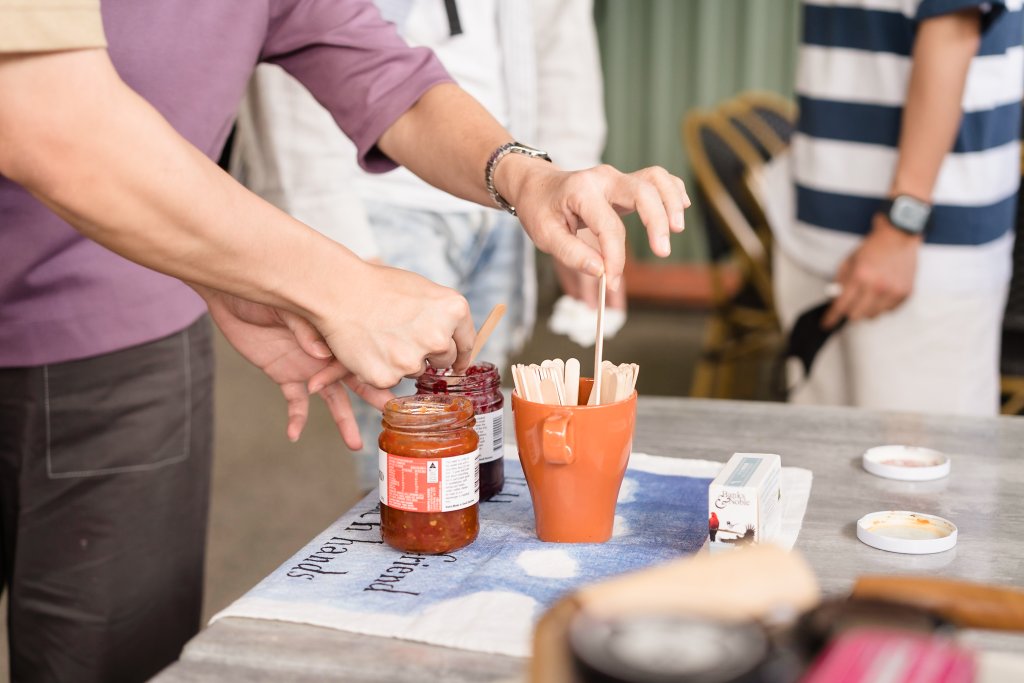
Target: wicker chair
{"points": [[755, 128], [775, 111], [743, 323]]}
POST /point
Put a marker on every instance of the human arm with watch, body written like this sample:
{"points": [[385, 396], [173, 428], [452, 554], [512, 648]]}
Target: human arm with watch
{"points": [[551, 204], [879, 275]]}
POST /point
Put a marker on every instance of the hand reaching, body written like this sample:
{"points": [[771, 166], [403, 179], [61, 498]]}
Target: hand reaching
{"points": [[291, 352], [553, 205]]}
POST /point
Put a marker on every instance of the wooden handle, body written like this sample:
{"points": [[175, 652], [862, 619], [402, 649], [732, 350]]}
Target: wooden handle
{"points": [[972, 605], [493, 318]]}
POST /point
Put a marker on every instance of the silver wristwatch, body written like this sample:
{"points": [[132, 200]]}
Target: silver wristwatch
{"points": [[492, 163]]}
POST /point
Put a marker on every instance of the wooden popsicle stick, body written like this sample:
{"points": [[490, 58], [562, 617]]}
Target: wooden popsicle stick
{"points": [[560, 374], [517, 374], [559, 385], [636, 373], [493, 318], [599, 341], [625, 383], [549, 365], [572, 382], [547, 389], [533, 384], [521, 371], [609, 385]]}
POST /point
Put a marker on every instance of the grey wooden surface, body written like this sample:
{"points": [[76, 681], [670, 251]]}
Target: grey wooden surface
{"points": [[984, 496]]}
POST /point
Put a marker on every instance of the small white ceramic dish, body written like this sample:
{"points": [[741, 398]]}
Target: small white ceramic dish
{"points": [[907, 463], [912, 533]]}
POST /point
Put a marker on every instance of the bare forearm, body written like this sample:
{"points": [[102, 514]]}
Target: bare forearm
{"points": [[102, 158], [931, 118], [446, 138]]}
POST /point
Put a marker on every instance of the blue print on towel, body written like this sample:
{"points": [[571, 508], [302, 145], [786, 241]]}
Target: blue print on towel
{"points": [[659, 517]]}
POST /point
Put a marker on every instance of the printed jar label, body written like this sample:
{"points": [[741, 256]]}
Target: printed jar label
{"points": [[492, 436], [429, 484]]}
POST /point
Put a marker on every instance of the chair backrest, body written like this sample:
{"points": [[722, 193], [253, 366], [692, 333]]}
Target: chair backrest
{"points": [[775, 111], [743, 126], [759, 135], [721, 158]]}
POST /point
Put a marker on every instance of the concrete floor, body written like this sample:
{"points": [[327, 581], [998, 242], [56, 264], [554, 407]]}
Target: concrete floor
{"points": [[270, 496]]}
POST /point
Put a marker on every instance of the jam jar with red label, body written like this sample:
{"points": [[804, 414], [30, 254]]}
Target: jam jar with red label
{"points": [[482, 385], [429, 475]]}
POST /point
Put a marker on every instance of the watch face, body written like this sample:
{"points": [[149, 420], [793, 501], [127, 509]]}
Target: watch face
{"points": [[909, 214]]}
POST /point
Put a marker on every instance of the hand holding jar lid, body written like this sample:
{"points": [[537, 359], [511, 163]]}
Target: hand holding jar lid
{"points": [[481, 384]]}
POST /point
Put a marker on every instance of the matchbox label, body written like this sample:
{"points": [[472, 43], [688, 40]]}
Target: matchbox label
{"points": [[743, 501], [429, 484]]}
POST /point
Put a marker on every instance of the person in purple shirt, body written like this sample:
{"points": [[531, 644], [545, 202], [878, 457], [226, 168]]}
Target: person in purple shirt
{"points": [[105, 363]]}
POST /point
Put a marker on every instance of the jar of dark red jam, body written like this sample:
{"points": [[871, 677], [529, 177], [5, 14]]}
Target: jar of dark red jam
{"points": [[428, 473], [482, 385]]}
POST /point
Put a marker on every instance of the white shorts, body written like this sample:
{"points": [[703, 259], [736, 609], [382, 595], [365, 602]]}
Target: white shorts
{"points": [[938, 352]]}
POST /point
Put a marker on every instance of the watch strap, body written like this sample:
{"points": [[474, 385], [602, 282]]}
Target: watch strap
{"points": [[492, 163]]}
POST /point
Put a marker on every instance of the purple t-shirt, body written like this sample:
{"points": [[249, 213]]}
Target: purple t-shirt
{"points": [[64, 297]]}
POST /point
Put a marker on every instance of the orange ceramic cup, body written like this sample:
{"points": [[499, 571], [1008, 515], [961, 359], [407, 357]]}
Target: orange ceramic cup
{"points": [[574, 458]]}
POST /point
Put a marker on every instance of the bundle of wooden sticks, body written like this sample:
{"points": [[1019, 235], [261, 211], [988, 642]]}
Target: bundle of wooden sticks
{"points": [[557, 382]]}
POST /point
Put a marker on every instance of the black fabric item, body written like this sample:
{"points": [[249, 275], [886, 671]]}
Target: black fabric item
{"points": [[454, 23], [808, 336], [1012, 358], [104, 487], [224, 160]]}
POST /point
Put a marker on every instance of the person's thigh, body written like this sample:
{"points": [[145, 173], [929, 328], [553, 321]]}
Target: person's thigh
{"points": [[106, 581], [798, 290], [938, 352]]}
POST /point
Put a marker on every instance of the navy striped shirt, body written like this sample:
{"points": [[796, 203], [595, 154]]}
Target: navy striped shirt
{"points": [[855, 62]]}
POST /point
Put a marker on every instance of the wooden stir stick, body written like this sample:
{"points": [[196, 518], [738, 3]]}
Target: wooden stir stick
{"points": [[493, 318], [572, 382], [595, 394]]}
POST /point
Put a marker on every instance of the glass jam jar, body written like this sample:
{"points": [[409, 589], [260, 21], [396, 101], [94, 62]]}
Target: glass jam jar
{"points": [[482, 385], [428, 474]]}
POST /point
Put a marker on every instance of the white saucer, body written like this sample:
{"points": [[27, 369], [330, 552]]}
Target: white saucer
{"points": [[908, 463], [900, 531]]}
